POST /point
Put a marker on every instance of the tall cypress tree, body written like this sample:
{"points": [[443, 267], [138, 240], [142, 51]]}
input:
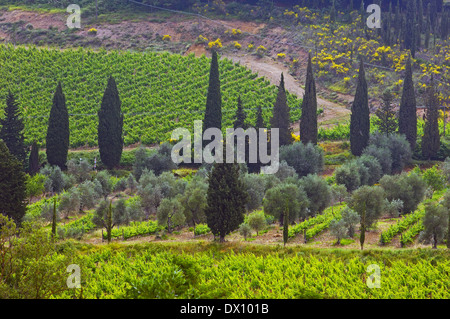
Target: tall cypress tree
{"points": [[240, 116], [308, 123], [12, 186], [213, 112], [259, 119], [110, 126], [407, 119], [12, 129], [256, 167], [226, 199], [33, 161], [431, 139], [409, 34], [360, 117], [281, 118], [58, 133]]}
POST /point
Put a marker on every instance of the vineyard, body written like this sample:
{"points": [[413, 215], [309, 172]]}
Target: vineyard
{"points": [[159, 91], [193, 271]]}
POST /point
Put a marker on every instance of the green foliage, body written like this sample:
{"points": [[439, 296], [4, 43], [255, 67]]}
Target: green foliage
{"points": [[407, 225], [434, 178], [323, 220], [318, 193], [201, 229], [431, 137], [13, 189], [386, 119], [136, 229], [11, 131], [32, 266], [213, 111], [170, 213], [407, 120], [226, 198], [257, 221], [278, 197], [35, 185], [245, 230], [305, 159], [58, 133], [368, 203], [408, 188], [308, 122], [360, 120], [79, 168], [281, 117], [435, 223], [338, 229], [110, 126]]}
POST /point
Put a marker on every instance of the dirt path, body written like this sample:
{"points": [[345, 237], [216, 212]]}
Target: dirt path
{"points": [[272, 71]]}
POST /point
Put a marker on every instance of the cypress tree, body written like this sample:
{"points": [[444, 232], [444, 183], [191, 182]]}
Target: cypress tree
{"points": [[54, 219], [431, 139], [12, 129], [420, 16], [226, 199], [444, 25], [12, 186], [33, 161], [362, 237], [110, 126], [259, 119], [256, 167], [240, 116], [427, 30], [407, 119], [409, 34], [308, 123], [213, 112], [281, 118], [58, 133], [360, 120]]}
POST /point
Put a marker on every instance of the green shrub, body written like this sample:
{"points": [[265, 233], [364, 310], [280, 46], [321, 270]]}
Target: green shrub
{"points": [[201, 229]]}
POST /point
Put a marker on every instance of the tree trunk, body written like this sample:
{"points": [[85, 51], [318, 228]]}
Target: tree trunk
{"points": [[222, 238], [434, 241]]}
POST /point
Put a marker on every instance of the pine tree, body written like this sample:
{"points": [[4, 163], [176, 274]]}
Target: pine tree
{"points": [[12, 129], [213, 112], [240, 116], [431, 139], [407, 119], [226, 199], [58, 133], [386, 118], [281, 118], [360, 120], [12, 186], [110, 126], [33, 161], [308, 122]]}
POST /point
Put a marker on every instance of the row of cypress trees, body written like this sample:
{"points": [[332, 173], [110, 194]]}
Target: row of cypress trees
{"points": [[110, 128], [407, 118]]}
